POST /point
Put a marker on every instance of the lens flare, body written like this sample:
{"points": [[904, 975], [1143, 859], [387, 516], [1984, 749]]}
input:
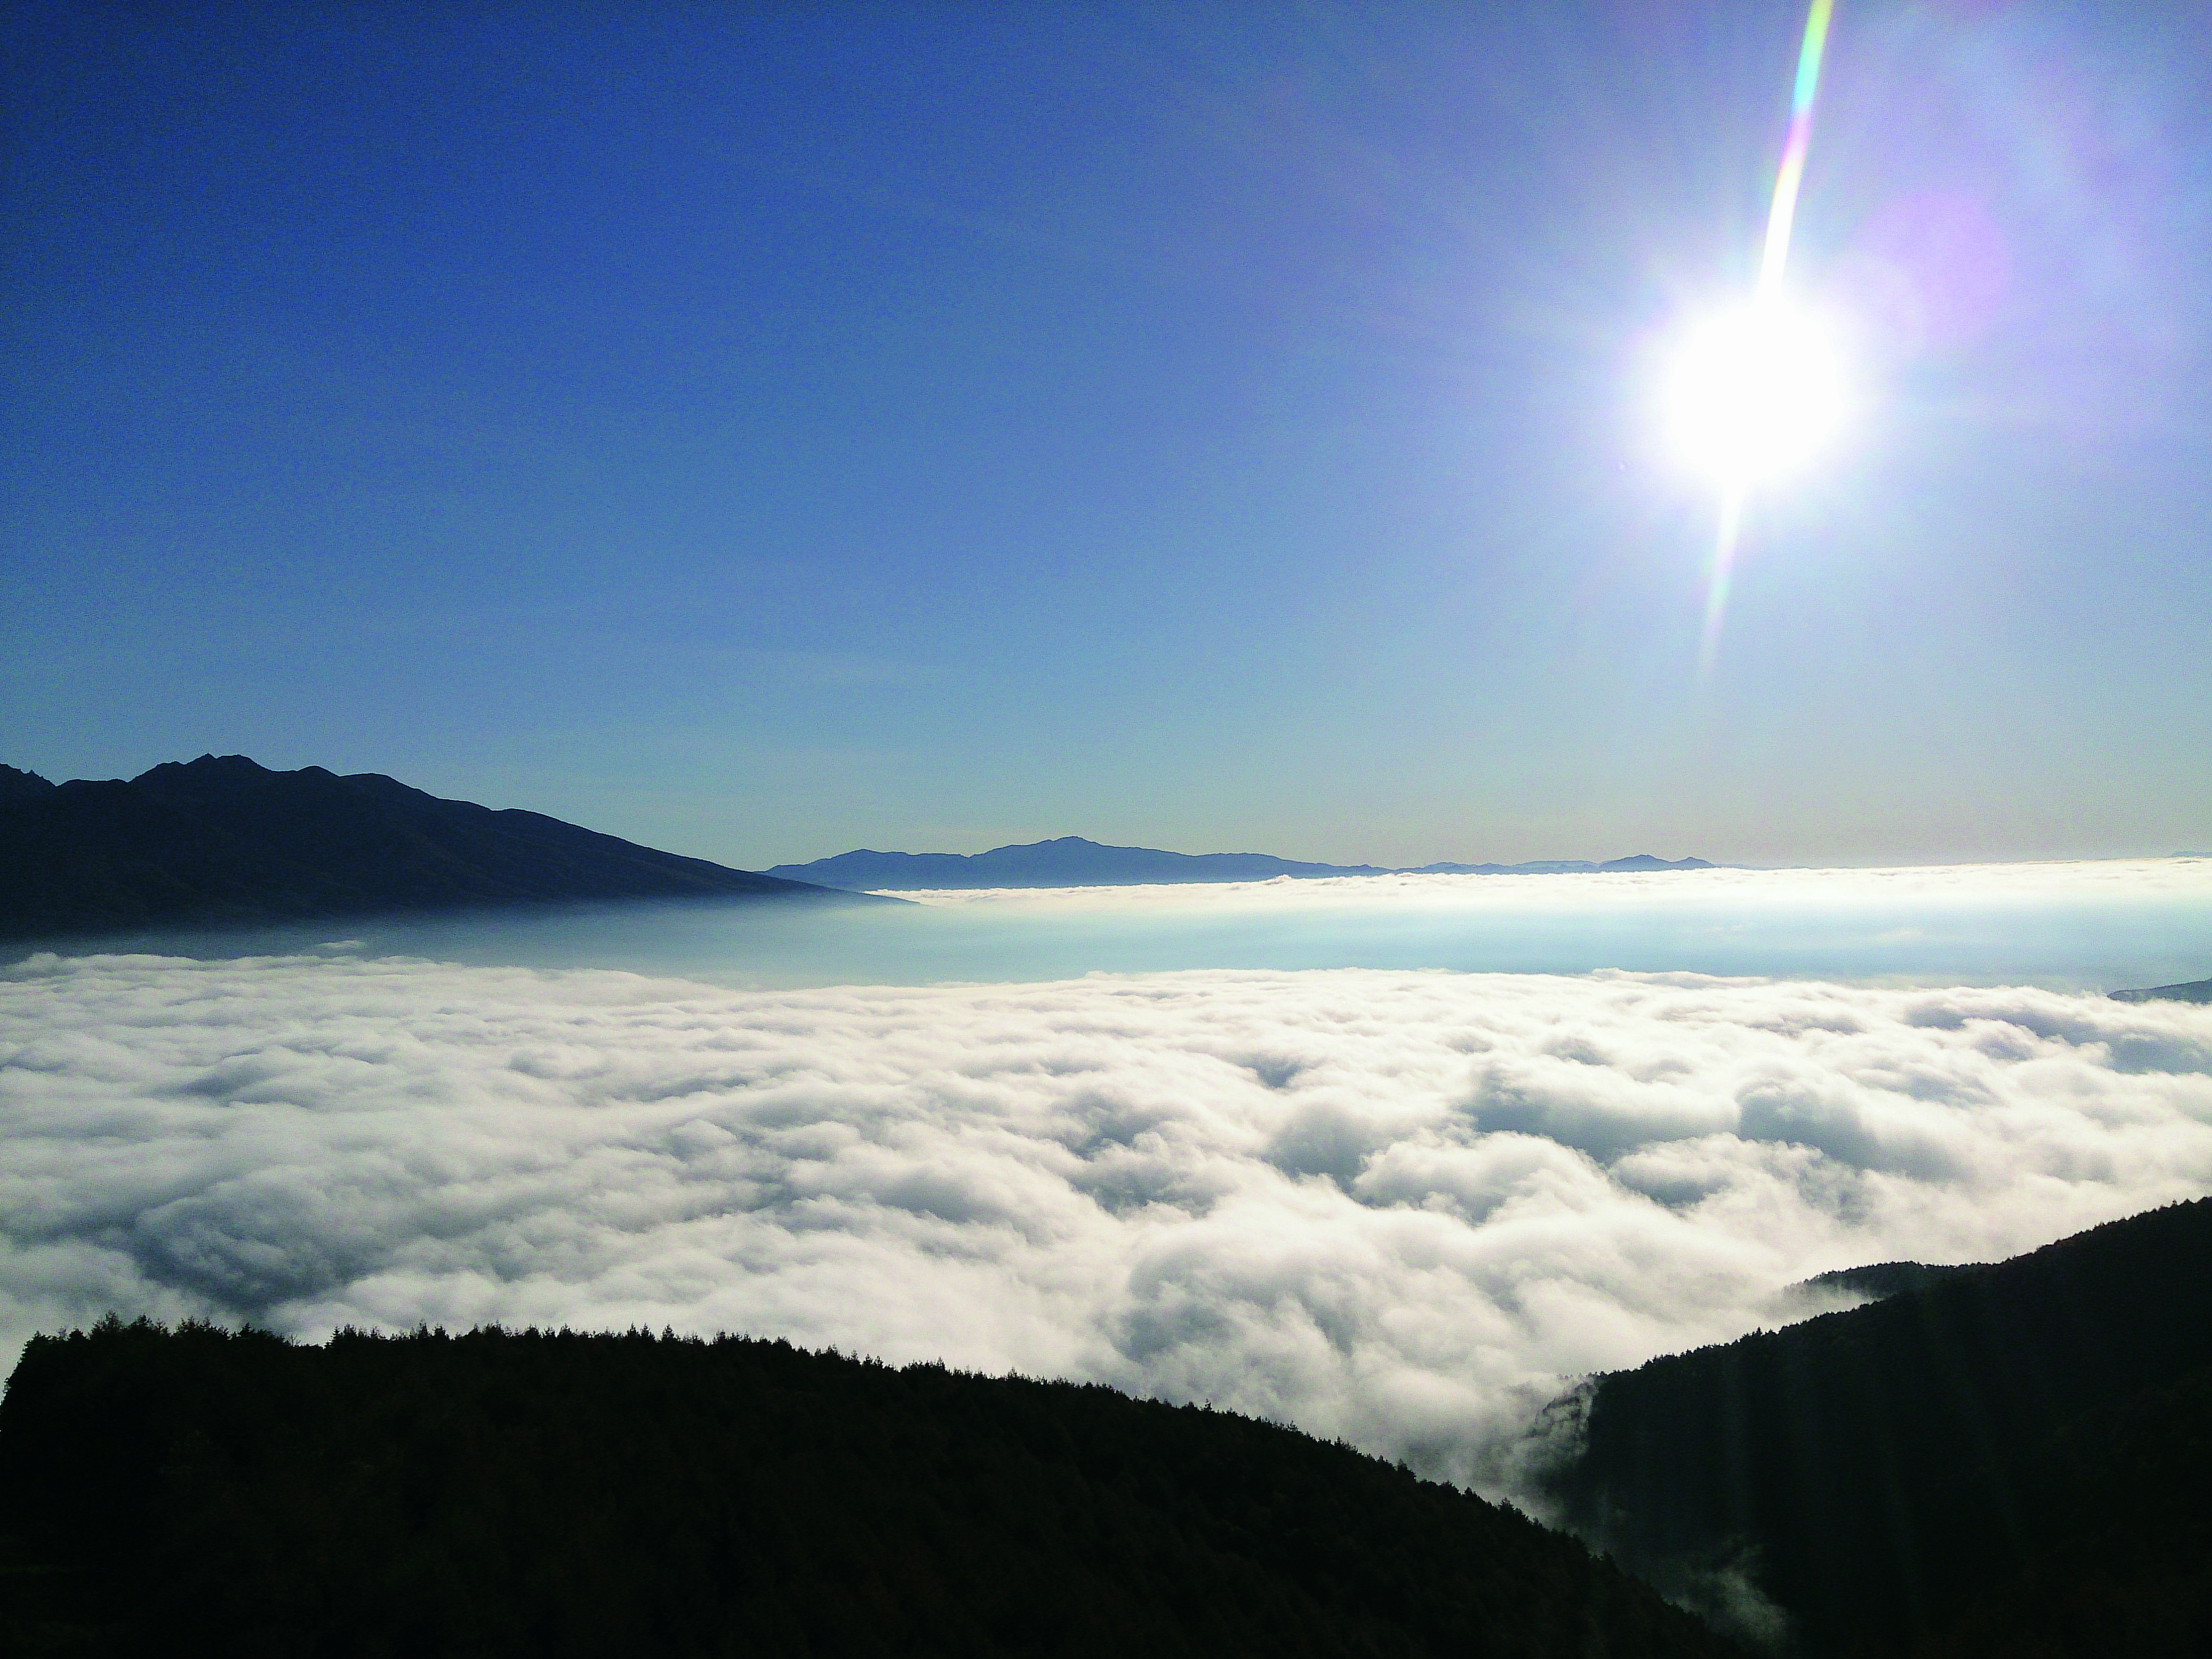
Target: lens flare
{"points": [[1783, 214]]}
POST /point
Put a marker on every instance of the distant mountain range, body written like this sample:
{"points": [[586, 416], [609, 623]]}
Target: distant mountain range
{"points": [[221, 840], [1072, 861], [1992, 1460]]}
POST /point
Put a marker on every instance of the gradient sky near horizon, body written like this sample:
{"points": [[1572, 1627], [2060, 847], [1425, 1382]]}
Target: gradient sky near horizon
{"points": [[762, 431]]}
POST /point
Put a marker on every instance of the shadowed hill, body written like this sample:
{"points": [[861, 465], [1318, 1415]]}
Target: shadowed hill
{"points": [[1883, 1278], [557, 1494], [2197, 990], [222, 840], [18, 786], [2125, 1572], [1883, 1475]]}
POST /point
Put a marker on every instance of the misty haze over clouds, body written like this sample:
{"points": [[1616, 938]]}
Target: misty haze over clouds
{"points": [[1398, 1207], [2098, 925]]}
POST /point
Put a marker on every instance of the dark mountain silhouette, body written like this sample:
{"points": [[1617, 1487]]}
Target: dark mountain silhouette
{"points": [[222, 840], [554, 1494], [1882, 1279], [1072, 861], [16, 785], [2197, 990], [1892, 1477]]}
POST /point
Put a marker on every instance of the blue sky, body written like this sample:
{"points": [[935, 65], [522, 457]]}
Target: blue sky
{"points": [[764, 431]]}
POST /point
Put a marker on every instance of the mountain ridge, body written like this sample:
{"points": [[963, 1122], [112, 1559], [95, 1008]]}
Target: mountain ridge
{"points": [[1074, 861], [2195, 990], [223, 840]]}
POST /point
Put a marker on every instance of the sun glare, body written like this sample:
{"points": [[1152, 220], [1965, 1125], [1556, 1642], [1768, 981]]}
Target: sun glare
{"points": [[1754, 392]]}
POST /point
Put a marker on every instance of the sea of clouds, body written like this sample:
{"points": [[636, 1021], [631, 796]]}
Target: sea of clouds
{"points": [[2077, 924], [1396, 1207]]}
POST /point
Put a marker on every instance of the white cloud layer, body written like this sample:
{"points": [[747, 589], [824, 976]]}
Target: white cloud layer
{"points": [[1394, 1207], [2184, 878]]}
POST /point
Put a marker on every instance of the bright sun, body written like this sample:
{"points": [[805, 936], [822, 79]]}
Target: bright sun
{"points": [[1754, 392]]}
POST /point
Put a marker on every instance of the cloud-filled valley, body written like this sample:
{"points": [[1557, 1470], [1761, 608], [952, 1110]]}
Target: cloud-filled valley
{"points": [[2067, 926], [1394, 1207]]}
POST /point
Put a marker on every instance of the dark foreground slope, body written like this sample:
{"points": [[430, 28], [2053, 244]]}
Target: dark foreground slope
{"points": [[2010, 1460], [550, 1494], [222, 840]]}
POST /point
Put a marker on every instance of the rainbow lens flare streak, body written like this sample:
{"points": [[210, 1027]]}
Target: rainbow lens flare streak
{"points": [[1784, 213], [1780, 217]]}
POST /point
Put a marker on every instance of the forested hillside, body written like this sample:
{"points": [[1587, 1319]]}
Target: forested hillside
{"points": [[2011, 1459], [550, 1494], [2124, 1569]]}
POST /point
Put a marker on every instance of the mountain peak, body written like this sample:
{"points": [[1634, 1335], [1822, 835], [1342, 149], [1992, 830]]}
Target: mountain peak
{"points": [[1648, 861], [228, 766], [224, 839], [20, 786]]}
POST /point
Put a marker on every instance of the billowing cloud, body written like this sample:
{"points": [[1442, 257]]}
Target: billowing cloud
{"points": [[1394, 1207]]}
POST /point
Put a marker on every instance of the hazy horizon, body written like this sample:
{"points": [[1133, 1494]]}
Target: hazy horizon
{"points": [[1596, 857], [2093, 925]]}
